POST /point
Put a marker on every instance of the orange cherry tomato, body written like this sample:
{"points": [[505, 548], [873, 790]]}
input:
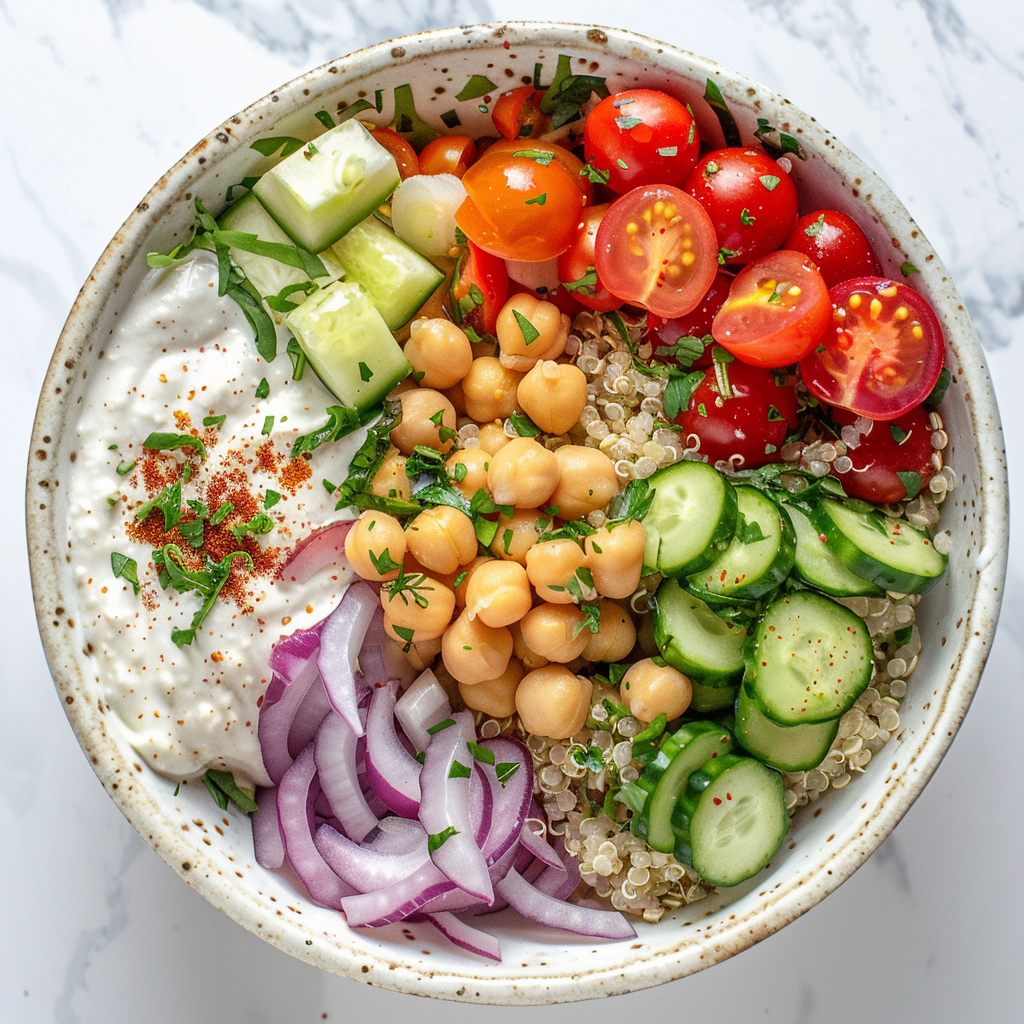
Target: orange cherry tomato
{"points": [[520, 207], [572, 163], [450, 154], [656, 247], [516, 113], [404, 154], [777, 310], [577, 267]]}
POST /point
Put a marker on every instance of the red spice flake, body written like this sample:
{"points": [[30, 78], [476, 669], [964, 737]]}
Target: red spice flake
{"points": [[216, 656], [267, 458], [158, 470], [717, 800], [296, 473], [183, 422]]}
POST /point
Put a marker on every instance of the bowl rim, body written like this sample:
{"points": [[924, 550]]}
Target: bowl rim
{"points": [[787, 901]]}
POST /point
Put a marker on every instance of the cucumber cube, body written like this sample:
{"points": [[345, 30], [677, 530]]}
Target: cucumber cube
{"points": [[329, 186], [348, 344]]}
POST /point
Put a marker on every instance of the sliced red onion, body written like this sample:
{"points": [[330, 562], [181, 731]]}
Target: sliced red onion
{"points": [[464, 935], [511, 800], [391, 770], [560, 882], [275, 722], [445, 807], [313, 709], [396, 835], [364, 868], [481, 805], [538, 846], [266, 830], [293, 652], [325, 546], [396, 902], [340, 640], [335, 755], [372, 669], [538, 906], [296, 796], [424, 704]]}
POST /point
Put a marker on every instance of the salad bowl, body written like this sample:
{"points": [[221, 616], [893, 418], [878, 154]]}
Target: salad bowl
{"points": [[212, 849]]}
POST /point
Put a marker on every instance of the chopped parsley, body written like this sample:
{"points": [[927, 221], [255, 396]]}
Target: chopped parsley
{"points": [[169, 442], [260, 523], [529, 332], [224, 789], [341, 421], [125, 568], [271, 499], [263, 388]]}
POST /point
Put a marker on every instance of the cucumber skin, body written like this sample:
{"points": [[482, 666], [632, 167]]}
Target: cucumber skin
{"points": [[859, 587], [708, 700], [752, 723]]}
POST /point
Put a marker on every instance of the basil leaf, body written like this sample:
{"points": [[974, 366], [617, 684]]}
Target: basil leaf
{"points": [[169, 442]]}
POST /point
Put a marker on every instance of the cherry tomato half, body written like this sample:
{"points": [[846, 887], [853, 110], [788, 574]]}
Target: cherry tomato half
{"points": [[751, 201], [479, 290], [900, 446], [577, 267], [778, 309], [750, 426], [516, 113], [404, 154], [656, 247], [882, 353], [641, 137], [663, 334], [519, 207], [837, 245], [450, 154]]}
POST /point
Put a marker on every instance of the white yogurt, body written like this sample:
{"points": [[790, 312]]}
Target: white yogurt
{"points": [[179, 348]]}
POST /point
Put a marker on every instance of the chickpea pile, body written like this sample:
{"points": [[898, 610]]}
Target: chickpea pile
{"points": [[513, 625]]}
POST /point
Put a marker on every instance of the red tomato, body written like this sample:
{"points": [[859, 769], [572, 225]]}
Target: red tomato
{"points": [[479, 290], [516, 113], [520, 208], [663, 334], [572, 163], [778, 309], [837, 245], [450, 154], [751, 201], [655, 247], [902, 445], [404, 154], [881, 355], [751, 424], [577, 262], [641, 137]]}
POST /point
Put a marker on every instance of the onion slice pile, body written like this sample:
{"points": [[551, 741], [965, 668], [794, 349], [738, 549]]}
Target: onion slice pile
{"points": [[384, 836]]}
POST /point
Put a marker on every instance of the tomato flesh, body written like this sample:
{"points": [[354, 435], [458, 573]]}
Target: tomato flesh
{"points": [[450, 154], [777, 310], [399, 148], [663, 333], [882, 353], [836, 244], [478, 291], [516, 113], [656, 247], [577, 267]]}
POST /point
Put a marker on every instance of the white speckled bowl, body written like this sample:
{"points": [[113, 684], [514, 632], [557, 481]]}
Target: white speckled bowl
{"points": [[213, 852]]}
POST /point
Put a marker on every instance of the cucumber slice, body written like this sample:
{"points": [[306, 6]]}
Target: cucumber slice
{"points": [[888, 552], [809, 659], [760, 555], [790, 748], [816, 565], [349, 344], [734, 818], [691, 520], [666, 777], [327, 187], [707, 700], [396, 277], [693, 639]]}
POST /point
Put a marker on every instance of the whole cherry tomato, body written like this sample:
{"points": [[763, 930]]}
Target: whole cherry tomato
{"points": [[577, 265], [543, 152], [516, 113], [450, 154], [404, 154], [837, 245], [748, 427], [777, 310], [478, 291], [892, 461], [750, 199], [663, 333], [882, 353], [641, 137]]}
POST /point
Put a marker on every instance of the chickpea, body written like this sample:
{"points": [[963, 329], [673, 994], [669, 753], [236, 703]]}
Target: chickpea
{"points": [[553, 395], [550, 323], [422, 655], [424, 413], [493, 438], [473, 651], [651, 688], [442, 538], [391, 480], [516, 535], [462, 590], [615, 636], [557, 632], [457, 398], [440, 351], [405, 384], [417, 603], [499, 593], [490, 389], [473, 477], [551, 701], [523, 473], [530, 659], [375, 542], [615, 555], [495, 697], [586, 481], [551, 564]]}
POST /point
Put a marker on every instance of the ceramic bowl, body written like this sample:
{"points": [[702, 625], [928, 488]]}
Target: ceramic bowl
{"points": [[213, 851]]}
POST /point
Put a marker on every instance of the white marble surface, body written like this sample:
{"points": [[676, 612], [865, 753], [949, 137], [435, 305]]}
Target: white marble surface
{"points": [[102, 96]]}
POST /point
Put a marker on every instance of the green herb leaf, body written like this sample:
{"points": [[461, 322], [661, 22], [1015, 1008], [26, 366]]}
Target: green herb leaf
{"points": [[125, 568], [263, 388], [438, 839], [459, 771], [168, 501], [679, 391], [523, 425], [504, 770], [124, 468], [440, 726], [408, 122], [595, 174], [529, 332], [222, 513], [633, 504], [168, 442], [912, 482], [592, 759], [193, 532], [353, 109], [476, 87], [383, 563], [222, 787], [939, 391], [271, 498], [260, 523], [365, 373], [715, 100], [568, 92], [770, 181], [298, 358], [786, 143], [450, 119], [625, 123], [341, 421], [898, 434], [324, 117], [285, 143], [540, 200], [280, 302], [908, 268], [214, 421], [586, 284], [813, 230], [481, 753]]}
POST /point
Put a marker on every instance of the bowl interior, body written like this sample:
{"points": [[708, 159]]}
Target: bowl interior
{"points": [[213, 850]]}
